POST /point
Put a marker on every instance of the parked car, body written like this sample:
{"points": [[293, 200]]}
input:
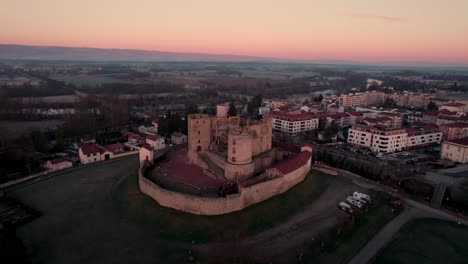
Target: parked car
{"points": [[345, 207], [362, 197], [379, 155], [354, 202]]}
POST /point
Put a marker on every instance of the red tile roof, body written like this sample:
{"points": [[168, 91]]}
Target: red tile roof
{"points": [[455, 104], [389, 114], [58, 160], [287, 165], [456, 124], [288, 146], [115, 147], [90, 149], [337, 115], [446, 112], [354, 113], [300, 116], [147, 146], [422, 127], [461, 141], [153, 137], [135, 136]]}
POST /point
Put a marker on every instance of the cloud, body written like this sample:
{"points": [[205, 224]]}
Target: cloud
{"points": [[376, 17]]}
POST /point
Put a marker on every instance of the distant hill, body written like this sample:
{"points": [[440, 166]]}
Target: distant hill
{"points": [[22, 52]]}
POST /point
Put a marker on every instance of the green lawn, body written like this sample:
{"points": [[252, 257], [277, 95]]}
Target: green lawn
{"points": [[428, 241], [175, 225], [91, 215], [346, 240]]}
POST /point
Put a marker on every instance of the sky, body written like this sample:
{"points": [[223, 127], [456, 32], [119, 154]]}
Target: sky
{"points": [[353, 30]]}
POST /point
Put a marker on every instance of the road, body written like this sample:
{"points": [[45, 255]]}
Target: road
{"points": [[412, 211]]}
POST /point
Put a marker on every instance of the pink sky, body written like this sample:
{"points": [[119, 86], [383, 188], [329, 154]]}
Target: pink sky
{"points": [[359, 30]]}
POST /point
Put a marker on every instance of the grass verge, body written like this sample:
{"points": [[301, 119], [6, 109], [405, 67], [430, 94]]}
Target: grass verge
{"points": [[428, 241]]}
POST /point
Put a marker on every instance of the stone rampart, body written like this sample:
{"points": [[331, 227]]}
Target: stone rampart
{"points": [[222, 205]]}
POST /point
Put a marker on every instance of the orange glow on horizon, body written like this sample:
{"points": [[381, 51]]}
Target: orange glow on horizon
{"points": [[364, 30]]}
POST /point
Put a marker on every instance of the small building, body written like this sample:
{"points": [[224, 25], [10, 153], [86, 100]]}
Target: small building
{"points": [[148, 129], [178, 138], [58, 164], [155, 141], [108, 151], [455, 150], [456, 107], [135, 139], [89, 154]]}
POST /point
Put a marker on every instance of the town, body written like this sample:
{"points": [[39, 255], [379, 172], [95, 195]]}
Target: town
{"points": [[234, 132], [207, 149]]}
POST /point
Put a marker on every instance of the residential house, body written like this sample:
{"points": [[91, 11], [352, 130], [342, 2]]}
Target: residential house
{"points": [[89, 154], [178, 138], [58, 164], [455, 150], [155, 141]]}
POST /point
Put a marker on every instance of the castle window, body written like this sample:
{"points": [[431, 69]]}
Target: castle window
{"points": [[233, 141], [233, 150], [198, 132], [233, 159]]}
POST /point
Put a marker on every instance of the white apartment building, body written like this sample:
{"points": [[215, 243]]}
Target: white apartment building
{"points": [[353, 100], [294, 122], [391, 140], [411, 100], [362, 99], [423, 135]]}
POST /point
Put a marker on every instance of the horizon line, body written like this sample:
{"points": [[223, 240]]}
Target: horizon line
{"points": [[408, 63]]}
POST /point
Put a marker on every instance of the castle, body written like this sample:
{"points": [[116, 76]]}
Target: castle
{"points": [[237, 141], [229, 164]]}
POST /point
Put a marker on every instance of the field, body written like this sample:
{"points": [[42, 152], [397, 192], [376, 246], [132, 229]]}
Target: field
{"points": [[97, 214], [13, 129], [87, 80], [428, 241]]}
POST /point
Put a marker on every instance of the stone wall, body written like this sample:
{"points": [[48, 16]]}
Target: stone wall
{"points": [[264, 190], [222, 205], [265, 160], [215, 158], [190, 203]]}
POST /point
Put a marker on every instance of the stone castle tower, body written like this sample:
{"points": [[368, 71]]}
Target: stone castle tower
{"points": [[245, 139], [239, 164], [199, 135]]}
